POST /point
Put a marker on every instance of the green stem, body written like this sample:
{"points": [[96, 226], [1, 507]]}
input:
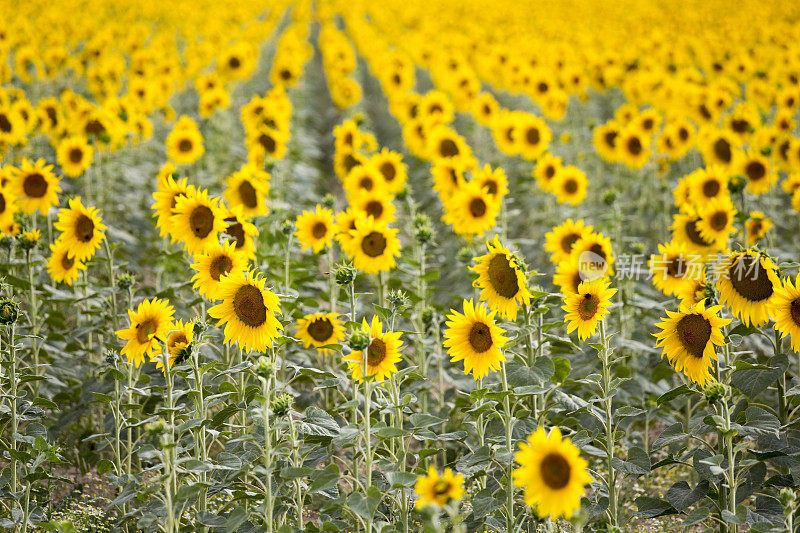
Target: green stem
{"points": [[265, 389], [508, 422], [609, 423]]}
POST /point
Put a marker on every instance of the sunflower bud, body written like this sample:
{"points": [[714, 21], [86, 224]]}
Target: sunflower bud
{"points": [[404, 193], [714, 392], [788, 499], [345, 274], [6, 241], [358, 340], [264, 367], [358, 118], [736, 183], [199, 326], [125, 281], [398, 299], [637, 247], [29, 239], [328, 201], [609, 197], [428, 316], [111, 357], [282, 404], [9, 311], [287, 227], [156, 427], [465, 254], [423, 229]]}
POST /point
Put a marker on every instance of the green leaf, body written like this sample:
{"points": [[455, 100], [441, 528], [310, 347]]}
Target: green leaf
{"points": [[104, 466], [683, 390], [670, 435], [295, 472], [653, 507], [424, 420], [697, 515], [682, 496], [751, 379], [324, 479], [365, 506], [562, 368], [628, 410], [236, 518], [318, 426], [637, 462], [401, 479]]}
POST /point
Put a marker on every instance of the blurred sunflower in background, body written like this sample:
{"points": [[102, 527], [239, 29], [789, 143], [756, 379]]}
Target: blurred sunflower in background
{"points": [[315, 229], [81, 229]]}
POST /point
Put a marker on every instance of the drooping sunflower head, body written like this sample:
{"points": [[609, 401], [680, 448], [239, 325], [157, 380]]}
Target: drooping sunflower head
{"points": [[81, 229], [475, 338], [149, 325], [437, 490], [62, 266], [501, 278], [320, 329], [248, 311], [747, 284], [379, 360], [553, 474], [372, 246], [197, 221], [315, 229], [588, 306], [219, 260], [688, 338]]}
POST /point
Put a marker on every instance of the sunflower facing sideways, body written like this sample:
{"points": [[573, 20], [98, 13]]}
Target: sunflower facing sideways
{"points": [[248, 311], [241, 232], [473, 337], [81, 229], [178, 344], [552, 472], [785, 310], [383, 353], [62, 266], [372, 246], [217, 261], [439, 490], [320, 329], [197, 221], [747, 284], [757, 226], [36, 187], [150, 324], [166, 197], [688, 338], [502, 281], [588, 306], [315, 229]]}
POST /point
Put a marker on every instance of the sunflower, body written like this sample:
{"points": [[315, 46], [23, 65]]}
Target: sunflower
{"points": [[688, 338], [74, 155], [315, 229], [707, 184], [220, 259], [320, 329], [166, 197], [434, 489], [568, 277], [383, 353], [593, 255], [560, 241], [632, 148], [241, 232], [444, 142], [532, 137], [185, 142], [248, 311], [494, 181], [149, 325], [757, 169], [62, 266], [248, 188], [685, 230], [178, 342], [757, 226], [373, 246], [471, 210], [473, 337], [345, 223], [81, 229], [696, 291], [785, 309], [747, 284], [7, 204], [390, 165], [345, 160], [674, 270], [448, 175], [36, 187], [569, 185], [363, 179], [586, 307], [197, 221], [718, 147], [547, 168], [606, 140], [502, 281], [552, 472], [716, 221]]}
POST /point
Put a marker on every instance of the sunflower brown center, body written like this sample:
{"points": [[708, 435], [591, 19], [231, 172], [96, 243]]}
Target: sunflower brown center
{"points": [[710, 188], [491, 187], [503, 276], [555, 471], [719, 220], [388, 171], [648, 124], [480, 337], [5, 124], [2, 204], [755, 170], [597, 249], [441, 488], [236, 230], [694, 331], [794, 311], [248, 305], [610, 138], [694, 234], [145, 330], [185, 145], [374, 244], [67, 262], [756, 227], [588, 306], [84, 228], [750, 280], [634, 146], [76, 155], [374, 208], [571, 186], [321, 329], [568, 240], [248, 194], [376, 352], [220, 265], [350, 162], [549, 172], [477, 207], [740, 125], [448, 148], [722, 149], [35, 186], [366, 183], [234, 62], [201, 221], [533, 136], [319, 230], [267, 142], [676, 268]]}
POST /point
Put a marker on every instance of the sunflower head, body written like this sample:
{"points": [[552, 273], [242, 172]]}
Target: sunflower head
{"points": [[438, 490], [475, 338]]}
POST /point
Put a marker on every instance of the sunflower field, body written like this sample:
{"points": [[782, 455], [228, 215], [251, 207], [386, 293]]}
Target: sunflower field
{"points": [[399, 266]]}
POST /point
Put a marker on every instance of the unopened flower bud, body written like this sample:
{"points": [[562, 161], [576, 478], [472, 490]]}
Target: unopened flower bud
{"points": [[345, 274], [328, 201], [714, 392], [736, 183], [9, 311], [398, 299], [287, 227], [282, 404], [788, 498], [264, 367], [125, 281], [358, 341]]}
